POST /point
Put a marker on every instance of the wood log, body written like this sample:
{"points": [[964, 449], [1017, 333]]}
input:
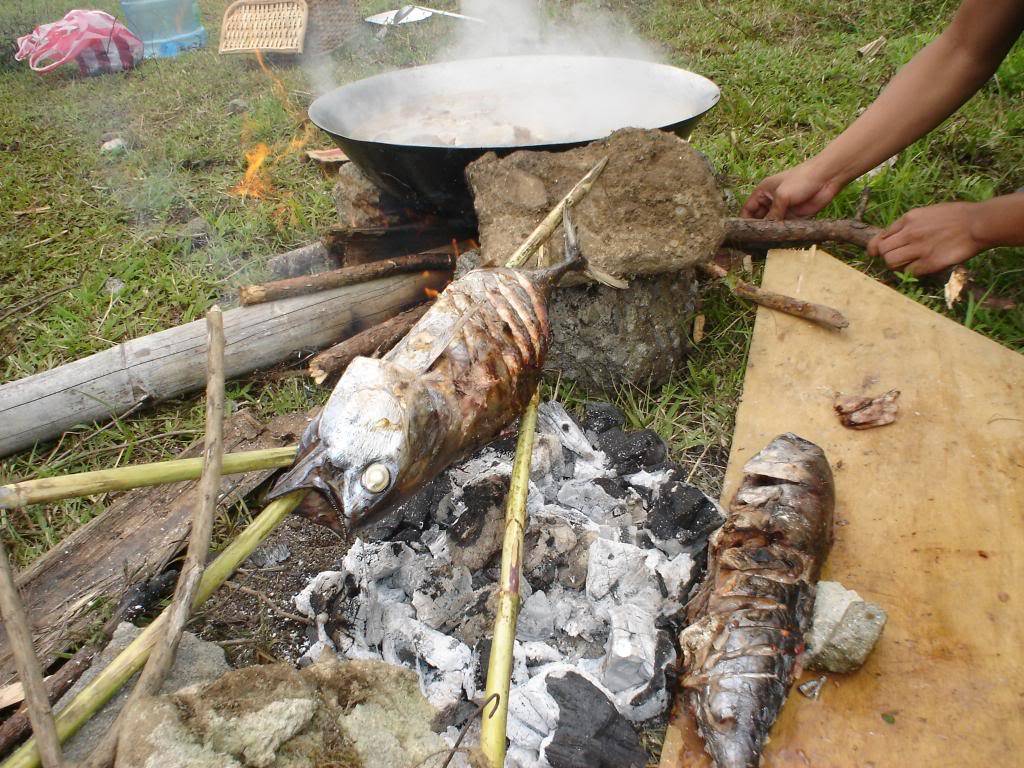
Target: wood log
{"points": [[362, 273], [761, 232], [171, 363], [304, 260], [331, 363], [360, 245], [133, 539]]}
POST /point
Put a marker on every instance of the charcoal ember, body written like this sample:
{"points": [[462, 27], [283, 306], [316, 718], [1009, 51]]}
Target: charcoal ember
{"points": [[598, 418], [586, 496], [547, 465], [412, 516], [536, 617], [475, 536], [650, 700], [629, 658], [629, 452], [620, 573], [478, 620], [681, 516], [440, 604], [445, 665], [582, 459], [564, 719]]}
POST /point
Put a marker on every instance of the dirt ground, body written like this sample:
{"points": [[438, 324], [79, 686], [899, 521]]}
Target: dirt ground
{"points": [[261, 629], [656, 207]]}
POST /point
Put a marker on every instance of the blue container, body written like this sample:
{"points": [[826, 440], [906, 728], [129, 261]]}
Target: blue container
{"points": [[166, 27]]}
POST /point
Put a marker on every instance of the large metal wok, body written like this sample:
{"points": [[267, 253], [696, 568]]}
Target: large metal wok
{"points": [[413, 131]]}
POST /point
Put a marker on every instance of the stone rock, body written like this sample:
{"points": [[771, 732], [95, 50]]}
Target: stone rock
{"points": [[353, 713], [357, 199], [114, 147], [629, 452], [196, 662], [237, 106], [269, 555], [604, 338], [656, 208], [844, 631]]}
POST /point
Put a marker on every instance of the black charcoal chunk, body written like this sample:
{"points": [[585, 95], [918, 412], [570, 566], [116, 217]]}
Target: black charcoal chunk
{"points": [[590, 732], [600, 417], [629, 452], [682, 512]]}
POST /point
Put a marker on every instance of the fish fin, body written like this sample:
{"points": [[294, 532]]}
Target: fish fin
{"points": [[443, 342]]}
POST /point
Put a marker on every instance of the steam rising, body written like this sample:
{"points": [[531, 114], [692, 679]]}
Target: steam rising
{"points": [[517, 27]]}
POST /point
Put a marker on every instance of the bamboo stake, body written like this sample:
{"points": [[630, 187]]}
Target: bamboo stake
{"points": [[20, 634], [130, 660], [808, 310], [499, 666], [544, 230], [47, 489], [162, 657]]}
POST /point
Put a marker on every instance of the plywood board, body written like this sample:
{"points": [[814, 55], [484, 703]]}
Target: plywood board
{"points": [[930, 523]]}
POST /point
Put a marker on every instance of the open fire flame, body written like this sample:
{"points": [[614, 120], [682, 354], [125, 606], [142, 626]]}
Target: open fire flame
{"points": [[255, 182]]}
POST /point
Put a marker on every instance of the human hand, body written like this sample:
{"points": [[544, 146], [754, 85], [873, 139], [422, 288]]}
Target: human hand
{"points": [[930, 239], [798, 192]]}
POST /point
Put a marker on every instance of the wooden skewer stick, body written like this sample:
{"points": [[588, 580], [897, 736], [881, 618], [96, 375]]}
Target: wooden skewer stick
{"points": [[337, 278], [45, 489], [818, 313], [108, 682], [20, 634], [162, 657]]}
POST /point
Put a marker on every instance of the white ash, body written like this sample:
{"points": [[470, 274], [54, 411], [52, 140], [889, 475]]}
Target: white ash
{"points": [[602, 593]]}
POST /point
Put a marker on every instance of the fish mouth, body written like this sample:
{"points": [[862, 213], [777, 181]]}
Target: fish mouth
{"points": [[309, 473]]}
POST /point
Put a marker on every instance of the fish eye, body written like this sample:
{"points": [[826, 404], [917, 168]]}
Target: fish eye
{"points": [[376, 478]]}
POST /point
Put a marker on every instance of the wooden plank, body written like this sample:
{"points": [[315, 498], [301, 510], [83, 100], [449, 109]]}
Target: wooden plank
{"points": [[172, 362], [930, 523], [129, 542]]}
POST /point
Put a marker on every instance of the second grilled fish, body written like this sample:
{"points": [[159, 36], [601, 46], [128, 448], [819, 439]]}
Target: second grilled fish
{"points": [[463, 372], [750, 613]]}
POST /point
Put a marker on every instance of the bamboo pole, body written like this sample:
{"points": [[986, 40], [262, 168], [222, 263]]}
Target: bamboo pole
{"points": [[499, 666], [544, 230], [130, 660], [20, 633], [162, 657], [47, 489]]}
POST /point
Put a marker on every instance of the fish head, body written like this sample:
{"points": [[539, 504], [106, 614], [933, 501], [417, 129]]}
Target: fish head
{"points": [[359, 450]]}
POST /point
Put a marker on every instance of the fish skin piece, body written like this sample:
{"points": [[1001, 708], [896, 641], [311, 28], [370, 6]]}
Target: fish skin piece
{"points": [[749, 615], [465, 370]]}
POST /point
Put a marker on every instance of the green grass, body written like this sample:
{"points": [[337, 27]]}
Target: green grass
{"points": [[790, 76]]}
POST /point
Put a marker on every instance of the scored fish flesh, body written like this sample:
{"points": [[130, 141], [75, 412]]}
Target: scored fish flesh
{"points": [[466, 369], [749, 615]]}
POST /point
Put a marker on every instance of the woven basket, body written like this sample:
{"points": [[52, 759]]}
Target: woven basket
{"points": [[264, 25], [331, 23]]}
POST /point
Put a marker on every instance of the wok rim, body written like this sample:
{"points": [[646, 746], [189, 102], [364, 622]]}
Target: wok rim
{"points": [[715, 97]]}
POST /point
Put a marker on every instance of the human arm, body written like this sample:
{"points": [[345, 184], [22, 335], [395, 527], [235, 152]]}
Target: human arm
{"points": [[929, 239], [933, 85]]}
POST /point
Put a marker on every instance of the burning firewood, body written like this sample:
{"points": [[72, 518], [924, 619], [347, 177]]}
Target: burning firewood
{"points": [[301, 286]]}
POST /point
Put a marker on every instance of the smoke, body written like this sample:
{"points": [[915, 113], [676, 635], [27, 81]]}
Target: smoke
{"points": [[516, 27]]}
